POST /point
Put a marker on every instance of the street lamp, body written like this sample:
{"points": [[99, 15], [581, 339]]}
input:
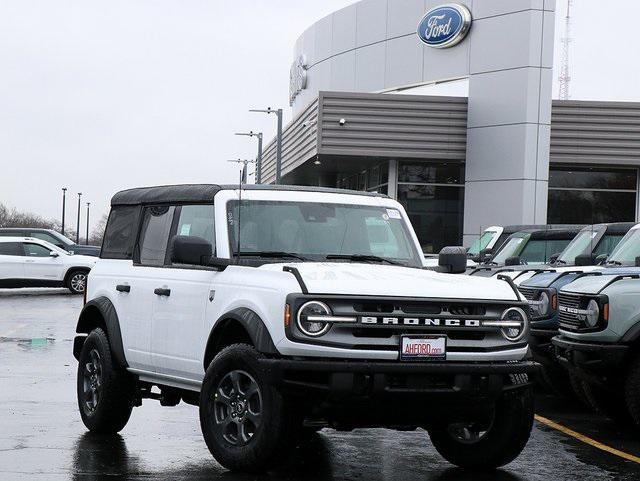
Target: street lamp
{"points": [[64, 199], [78, 227], [245, 163], [259, 159], [87, 238], [278, 113]]}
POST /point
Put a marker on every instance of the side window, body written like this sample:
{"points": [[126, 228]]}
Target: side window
{"points": [[197, 221], [120, 233], [154, 234], [11, 249], [35, 250], [46, 237]]}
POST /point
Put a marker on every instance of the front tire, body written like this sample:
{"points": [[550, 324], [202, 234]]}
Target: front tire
{"points": [[245, 421], [609, 403], [77, 281], [105, 390], [495, 444], [632, 391]]}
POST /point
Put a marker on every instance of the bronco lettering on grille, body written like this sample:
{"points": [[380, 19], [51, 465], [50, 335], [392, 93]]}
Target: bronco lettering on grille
{"points": [[420, 321]]}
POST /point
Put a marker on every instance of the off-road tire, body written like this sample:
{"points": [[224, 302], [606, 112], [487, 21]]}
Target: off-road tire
{"points": [[577, 386], [632, 391], [278, 426], [115, 390], [76, 281], [554, 380], [609, 403], [502, 443]]}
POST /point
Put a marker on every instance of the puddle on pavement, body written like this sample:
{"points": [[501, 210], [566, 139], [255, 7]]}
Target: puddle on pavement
{"points": [[29, 343]]}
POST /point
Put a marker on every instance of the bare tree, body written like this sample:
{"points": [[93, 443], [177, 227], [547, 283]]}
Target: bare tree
{"points": [[98, 231], [14, 218]]}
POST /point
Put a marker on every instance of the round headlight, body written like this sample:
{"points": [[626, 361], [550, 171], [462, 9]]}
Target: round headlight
{"points": [[544, 303], [593, 313], [313, 327], [517, 327]]}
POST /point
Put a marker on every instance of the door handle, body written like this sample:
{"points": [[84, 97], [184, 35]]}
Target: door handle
{"points": [[30, 261], [123, 288], [161, 291]]}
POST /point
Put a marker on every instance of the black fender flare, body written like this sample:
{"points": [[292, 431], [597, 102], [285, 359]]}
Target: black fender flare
{"points": [[632, 335], [252, 324], [100, 312]]}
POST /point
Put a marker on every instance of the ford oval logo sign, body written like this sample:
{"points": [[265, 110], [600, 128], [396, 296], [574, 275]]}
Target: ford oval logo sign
{"points": [[445, 26]]}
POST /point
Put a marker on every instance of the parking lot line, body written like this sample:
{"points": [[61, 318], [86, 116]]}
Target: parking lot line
{"points": [[587, 439]]}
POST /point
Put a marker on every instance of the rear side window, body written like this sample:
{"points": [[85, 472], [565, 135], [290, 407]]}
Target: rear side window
{"points": [[154, 234], [539, 251], [120, 233], [11, 249]]}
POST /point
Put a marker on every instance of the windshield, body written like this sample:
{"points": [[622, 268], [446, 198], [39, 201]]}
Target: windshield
{"points": [[583, 243], [314, 231], [627, 250], [481, 243], [509, 249]]}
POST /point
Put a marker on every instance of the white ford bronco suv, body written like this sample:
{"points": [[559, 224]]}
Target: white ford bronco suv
{"points": [[282, 310]]}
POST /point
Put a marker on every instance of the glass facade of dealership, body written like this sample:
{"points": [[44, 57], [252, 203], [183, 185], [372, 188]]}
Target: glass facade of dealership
{"points": [[433, 195]]}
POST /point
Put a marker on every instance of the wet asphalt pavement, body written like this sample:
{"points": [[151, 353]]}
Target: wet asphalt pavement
{"points": [[43, 438]]}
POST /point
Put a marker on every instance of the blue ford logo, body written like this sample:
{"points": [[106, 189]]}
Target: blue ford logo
{"points": [[445, 26]]}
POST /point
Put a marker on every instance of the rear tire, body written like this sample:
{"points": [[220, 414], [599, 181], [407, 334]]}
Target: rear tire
{"points": [[105, 390], [245, 421], [489, 447], [77, 281]]}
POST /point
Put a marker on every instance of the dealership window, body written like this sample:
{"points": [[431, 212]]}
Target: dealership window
{"points": [[374, 179], [433, 196], [585, 195]]}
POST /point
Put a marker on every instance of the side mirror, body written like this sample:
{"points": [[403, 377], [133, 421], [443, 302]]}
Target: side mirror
{"points": [[190, 250], [452, 260], [512, 261], [485, 255], [584, 260], [218, 263], [54, 254], [601, 259], [554, 258]]}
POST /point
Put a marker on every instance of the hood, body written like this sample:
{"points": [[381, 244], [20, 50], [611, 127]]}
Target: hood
{"points": [[546, 279], [385, 280], [594, 284]]}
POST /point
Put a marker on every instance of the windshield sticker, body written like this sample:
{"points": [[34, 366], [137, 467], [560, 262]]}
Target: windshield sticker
{"points": [[185, 229], [393, 214]]}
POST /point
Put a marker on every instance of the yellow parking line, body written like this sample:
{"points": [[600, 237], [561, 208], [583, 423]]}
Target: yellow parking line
{"points": [[587, 440]]}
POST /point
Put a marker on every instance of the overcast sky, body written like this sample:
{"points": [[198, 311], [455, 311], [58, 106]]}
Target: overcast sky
{"points": [[99, 96]]}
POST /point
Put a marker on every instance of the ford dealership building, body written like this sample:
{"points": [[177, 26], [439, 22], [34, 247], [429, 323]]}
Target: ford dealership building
{"points": [[366, 117]]}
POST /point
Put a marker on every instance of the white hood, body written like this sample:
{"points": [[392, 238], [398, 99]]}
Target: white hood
{"points": [[385, 280]]}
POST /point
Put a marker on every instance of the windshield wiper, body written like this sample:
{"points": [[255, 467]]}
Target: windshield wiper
{"points": [[272, 255], [560, 261], [615, 263], [363, 258]]}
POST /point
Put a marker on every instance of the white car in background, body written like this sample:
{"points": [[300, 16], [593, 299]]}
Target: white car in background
{"points": [[30, 262]]}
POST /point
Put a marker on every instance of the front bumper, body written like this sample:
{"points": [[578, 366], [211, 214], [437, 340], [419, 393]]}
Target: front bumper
{"points": [[590, 359], [378, 377], [541, 346]]}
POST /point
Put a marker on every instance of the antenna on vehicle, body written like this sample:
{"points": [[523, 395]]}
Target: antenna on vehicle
{"points": [[242, 179]]}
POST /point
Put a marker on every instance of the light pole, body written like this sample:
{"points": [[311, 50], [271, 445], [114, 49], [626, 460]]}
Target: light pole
{"points": [[245, 163], [278, 113], [259, 158], [78, 227], [87, 238], [64, 200]]}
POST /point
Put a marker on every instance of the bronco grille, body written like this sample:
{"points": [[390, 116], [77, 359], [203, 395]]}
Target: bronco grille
{"points": [[568, 320], [527, 292]]}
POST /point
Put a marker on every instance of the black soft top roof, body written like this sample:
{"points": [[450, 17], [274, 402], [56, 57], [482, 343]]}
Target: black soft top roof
{"points": [[196, 193], [554, 233]]}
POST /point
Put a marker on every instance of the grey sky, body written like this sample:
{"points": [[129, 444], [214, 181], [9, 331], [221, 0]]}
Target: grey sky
{"points": [[100, 96]]}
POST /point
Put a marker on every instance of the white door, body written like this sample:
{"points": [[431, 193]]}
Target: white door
{"points": [[40, 265], [11, 261], [180, 303]]}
